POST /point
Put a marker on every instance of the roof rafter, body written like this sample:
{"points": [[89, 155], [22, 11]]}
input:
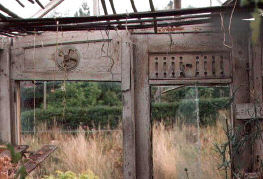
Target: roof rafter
{"points": [[7, 11]]}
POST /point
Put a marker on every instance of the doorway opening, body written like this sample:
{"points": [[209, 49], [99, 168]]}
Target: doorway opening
{"points": [[83, 119], [188, 124]]}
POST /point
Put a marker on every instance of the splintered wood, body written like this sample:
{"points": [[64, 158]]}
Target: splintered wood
{"points": [[8, 169]]}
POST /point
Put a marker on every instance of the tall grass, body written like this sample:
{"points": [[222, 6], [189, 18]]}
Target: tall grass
{"points": [[175, 152]]}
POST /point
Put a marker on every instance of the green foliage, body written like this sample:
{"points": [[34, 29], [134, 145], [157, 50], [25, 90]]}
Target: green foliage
{"points": [[74, 117], [110, 116], [15, 157], [189, 93], [186, 110], [21, 173], [72, 175], [85, 94]]}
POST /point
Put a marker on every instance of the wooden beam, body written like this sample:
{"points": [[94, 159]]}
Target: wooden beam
{"points": [[40, 4], [124, 16], [31, 1], [19, 2], [50, 6], [112, 7], [152, 9], [133, 6], [104, 7], [7, 11]]}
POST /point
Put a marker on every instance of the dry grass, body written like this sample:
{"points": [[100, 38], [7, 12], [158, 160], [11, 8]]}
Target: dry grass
{"points": [[174, 149]]}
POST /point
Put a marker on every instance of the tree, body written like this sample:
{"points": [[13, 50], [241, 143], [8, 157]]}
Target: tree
{"points": [[170, 5], [83, 11]]}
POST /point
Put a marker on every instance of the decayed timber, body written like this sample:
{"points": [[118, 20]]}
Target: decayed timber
{"points": [[38, 157], [240, 93], [5, 94], [99, 56], [128, 118], [143, 137], [257, 99]]}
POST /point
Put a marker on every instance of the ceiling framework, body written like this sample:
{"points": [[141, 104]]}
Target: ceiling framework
{"points": [[15, 25]]}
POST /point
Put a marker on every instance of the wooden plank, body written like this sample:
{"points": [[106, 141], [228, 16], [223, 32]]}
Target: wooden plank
{"points": [[143, 136], [189, 42], [128, 119], [38, 157], [249, 111]]}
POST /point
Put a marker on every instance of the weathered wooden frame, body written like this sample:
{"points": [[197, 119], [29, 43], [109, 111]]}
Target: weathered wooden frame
{"points": [[130, 55]]}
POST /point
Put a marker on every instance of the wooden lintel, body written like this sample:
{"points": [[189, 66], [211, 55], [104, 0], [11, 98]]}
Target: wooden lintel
{"points": [[190, 81]]}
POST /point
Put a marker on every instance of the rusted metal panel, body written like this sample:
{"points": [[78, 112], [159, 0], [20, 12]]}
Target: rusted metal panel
{"points": [[249, 111], [191, 65]]}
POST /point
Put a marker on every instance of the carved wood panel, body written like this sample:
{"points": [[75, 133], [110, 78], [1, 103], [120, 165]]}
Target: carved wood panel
{"points": [[205, 65]]}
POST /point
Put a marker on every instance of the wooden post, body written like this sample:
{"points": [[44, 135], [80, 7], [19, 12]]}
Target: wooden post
{"points": [[45, 95], [177, 4], [257, 98], [127, 78], [240, 92], [95, 8], [143, 134], [18, 114], [5, 94]]}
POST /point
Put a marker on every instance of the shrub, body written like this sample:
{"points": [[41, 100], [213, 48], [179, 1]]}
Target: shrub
{"points": [[110, 116]]}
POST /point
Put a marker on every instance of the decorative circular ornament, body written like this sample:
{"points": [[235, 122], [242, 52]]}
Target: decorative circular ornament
{"points": [[67, 58]]}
